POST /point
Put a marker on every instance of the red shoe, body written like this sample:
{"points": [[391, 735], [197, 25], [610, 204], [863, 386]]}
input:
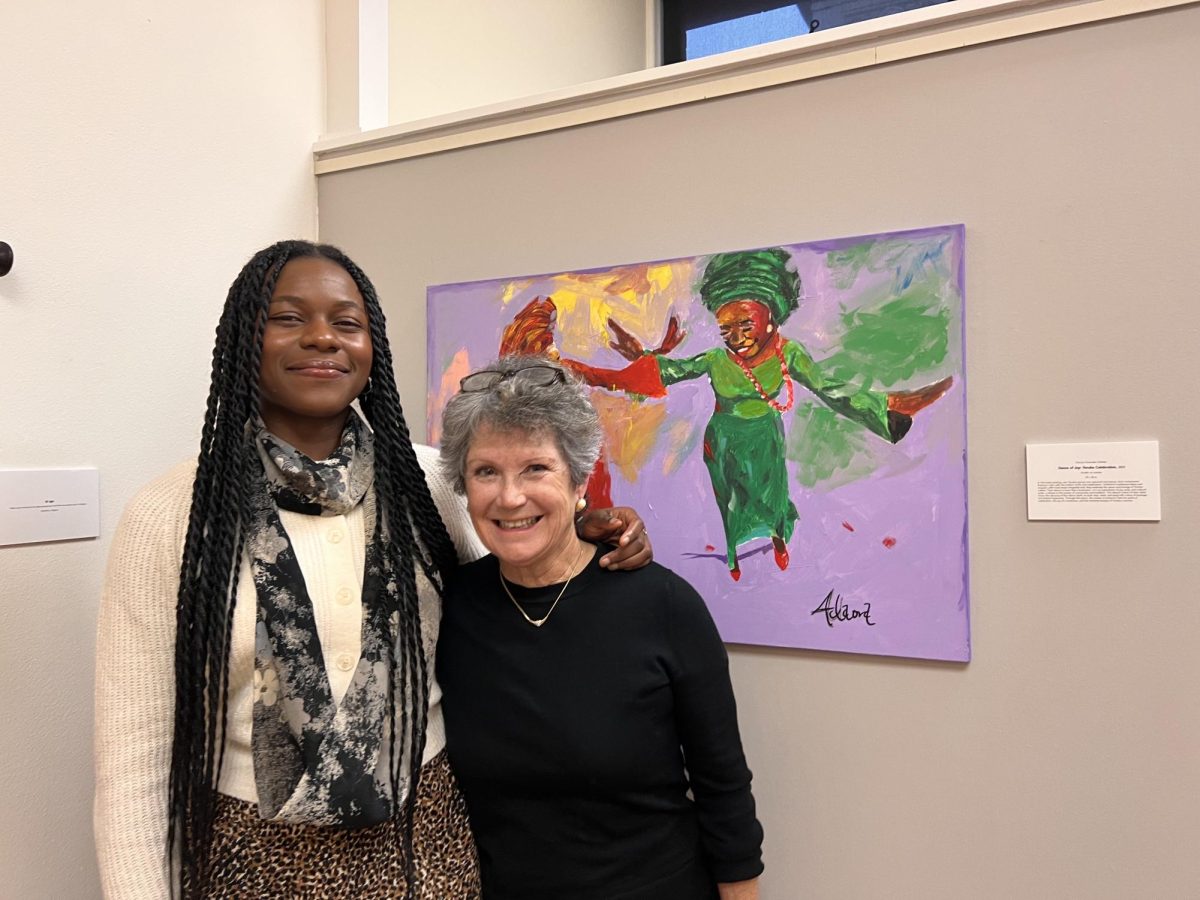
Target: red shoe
{"points": [[781, 553], [735, 573]]}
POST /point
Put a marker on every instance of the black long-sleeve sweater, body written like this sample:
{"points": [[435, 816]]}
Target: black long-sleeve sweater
{"points": [[570, 741]]}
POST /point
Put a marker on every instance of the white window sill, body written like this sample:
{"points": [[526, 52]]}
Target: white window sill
{"points": [[918, 32]]}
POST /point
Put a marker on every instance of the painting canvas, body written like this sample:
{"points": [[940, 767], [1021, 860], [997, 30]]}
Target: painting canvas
{"points": [[789, 420]]}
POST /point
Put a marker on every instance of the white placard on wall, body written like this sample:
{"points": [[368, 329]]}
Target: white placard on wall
{"points": [[1105, 480], [48, 505]]}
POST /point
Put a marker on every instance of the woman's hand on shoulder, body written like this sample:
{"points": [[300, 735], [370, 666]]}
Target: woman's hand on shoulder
{"points": [[739, 890], [623, 527]]}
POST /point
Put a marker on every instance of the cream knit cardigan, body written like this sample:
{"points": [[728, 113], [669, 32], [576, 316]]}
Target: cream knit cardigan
{"points": [[135, 667]]}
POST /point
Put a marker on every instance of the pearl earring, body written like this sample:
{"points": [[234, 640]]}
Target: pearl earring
{"points": [[580, 505]]}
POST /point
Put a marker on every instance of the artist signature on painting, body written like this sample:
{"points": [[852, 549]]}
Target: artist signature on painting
{"points": [[836, 610]]}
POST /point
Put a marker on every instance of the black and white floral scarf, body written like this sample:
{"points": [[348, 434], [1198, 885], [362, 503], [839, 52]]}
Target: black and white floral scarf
{"points": [[317, 761]]}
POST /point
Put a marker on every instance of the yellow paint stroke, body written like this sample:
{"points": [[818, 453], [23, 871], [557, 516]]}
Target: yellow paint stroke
{"points": [[458, 369], [510, 291], [640, 297], [630, 431]]}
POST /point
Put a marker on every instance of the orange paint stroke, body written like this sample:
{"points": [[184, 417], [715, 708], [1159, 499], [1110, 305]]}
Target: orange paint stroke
{"points": [[458, 369], [681, 438], [630, 431]]}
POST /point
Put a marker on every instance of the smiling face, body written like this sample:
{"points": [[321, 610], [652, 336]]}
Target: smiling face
{"points": [[316, 353], [746, 327], [522, 503]]}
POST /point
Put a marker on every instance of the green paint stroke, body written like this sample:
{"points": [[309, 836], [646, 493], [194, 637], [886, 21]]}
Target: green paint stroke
{"points": [[899, 338], [844, 265], [894, 341], [822, 443], [875, 256], [908, 261]]}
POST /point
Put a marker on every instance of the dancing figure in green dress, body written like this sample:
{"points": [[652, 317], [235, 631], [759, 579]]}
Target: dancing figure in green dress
{"points": [[754, 378]]}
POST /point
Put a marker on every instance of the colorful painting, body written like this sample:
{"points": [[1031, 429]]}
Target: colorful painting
{"points": [[790, 421]]}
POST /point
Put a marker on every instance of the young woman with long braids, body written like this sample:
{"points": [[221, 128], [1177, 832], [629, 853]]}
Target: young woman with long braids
{"points": [[267, 721]]}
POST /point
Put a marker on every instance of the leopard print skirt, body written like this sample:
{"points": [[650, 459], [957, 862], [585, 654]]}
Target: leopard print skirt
{"points": [[258, 860]]}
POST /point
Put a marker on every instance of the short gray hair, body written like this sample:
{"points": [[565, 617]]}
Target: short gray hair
{"points": [[560, 409]]}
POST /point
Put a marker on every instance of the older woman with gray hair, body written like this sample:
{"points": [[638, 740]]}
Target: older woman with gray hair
{"points": [[582, 706]]}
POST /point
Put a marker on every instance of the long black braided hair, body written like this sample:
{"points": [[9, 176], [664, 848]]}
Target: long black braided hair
{"points": [[208, 576]]}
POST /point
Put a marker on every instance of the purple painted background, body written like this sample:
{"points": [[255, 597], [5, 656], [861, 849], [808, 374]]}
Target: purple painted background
{"points": [[888, 529]]}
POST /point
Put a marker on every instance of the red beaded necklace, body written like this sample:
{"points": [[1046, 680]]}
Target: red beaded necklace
{"points": [[783, 370]]}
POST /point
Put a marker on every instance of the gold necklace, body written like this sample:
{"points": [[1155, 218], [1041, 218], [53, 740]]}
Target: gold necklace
{"points": [[538, 623]]}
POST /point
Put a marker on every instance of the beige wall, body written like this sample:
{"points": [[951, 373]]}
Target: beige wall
{"points": [[447, 55], [147, 149], [1062, 761]]}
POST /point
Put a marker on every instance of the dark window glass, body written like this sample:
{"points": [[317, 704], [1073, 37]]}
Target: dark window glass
{"points": [[696, 28]]}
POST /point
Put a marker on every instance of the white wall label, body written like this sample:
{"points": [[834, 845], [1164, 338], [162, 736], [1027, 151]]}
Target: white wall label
{"points": [[1115, 480], [48, 505]]}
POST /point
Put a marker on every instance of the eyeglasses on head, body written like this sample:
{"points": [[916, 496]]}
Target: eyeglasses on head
{"points": [[535, 376]]}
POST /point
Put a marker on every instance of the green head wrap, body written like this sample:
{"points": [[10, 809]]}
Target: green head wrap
{"points": [[761, 275]]}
